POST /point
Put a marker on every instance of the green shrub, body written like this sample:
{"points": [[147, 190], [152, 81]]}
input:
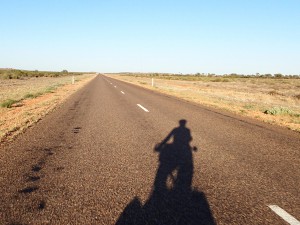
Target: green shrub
{"points": [[35, 95], [278, 111], [8, 103]]}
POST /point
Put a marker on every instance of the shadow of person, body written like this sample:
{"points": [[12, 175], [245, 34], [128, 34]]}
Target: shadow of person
{"points": [[175, 161], [173, 200]]}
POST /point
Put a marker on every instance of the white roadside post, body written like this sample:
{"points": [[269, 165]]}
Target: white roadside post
{"points": [[152, 82], [73, 79]]}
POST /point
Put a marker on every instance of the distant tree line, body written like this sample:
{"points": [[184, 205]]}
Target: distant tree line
{"points": [[19, 74], [235, 75], [232, 75]]}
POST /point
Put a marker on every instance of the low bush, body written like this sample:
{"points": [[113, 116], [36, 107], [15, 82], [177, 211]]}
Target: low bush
{"points": [[220, 80], [278, 111], [29, 95], [35, 95], [8, 103]]}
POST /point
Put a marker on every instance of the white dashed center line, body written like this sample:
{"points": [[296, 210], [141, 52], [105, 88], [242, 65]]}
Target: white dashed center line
{"points": [[122, 92], [284, 215], [143, 108], [115, 86]]}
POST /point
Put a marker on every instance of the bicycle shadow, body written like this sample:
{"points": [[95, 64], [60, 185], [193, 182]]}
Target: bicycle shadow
{"points": [[173, 200]]}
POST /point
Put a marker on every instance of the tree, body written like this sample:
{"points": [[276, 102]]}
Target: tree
{"points": [[278, 75]]}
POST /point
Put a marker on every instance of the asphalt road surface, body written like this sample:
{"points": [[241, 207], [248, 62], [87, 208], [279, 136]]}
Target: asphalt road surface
{"points": [[116, 153]]}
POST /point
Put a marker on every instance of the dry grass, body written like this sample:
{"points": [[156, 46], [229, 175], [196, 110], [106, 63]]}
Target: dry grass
{"points": [[275, 101], [31, 100], [17, 89]]}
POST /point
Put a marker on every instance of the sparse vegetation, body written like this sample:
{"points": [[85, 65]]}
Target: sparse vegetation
{"points": [[210, 77], [9, 102], [220, 79], [279, 111], [30, 95], [24, 92], [51, 89], [20, 89], [248, 106]]}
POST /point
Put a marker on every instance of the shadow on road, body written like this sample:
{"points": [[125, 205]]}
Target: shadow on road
{"points": [[173, 200]]}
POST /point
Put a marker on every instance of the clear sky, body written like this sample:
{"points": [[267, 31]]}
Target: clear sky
{"points": [[178, 36]]}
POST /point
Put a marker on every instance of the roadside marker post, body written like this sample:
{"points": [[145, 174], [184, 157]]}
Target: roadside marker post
{"points": [[152, 82], [73, 79]]}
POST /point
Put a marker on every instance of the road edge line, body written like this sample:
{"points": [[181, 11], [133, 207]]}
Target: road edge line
{"points": [[284, 215]]}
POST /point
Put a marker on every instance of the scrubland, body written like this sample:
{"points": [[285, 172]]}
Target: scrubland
{"points": [[273, 100], [26, 100]]}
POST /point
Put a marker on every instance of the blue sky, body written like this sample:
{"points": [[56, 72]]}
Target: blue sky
{"points": [[187, 36]]}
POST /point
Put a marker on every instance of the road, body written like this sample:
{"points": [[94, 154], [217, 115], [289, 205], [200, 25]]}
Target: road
{"points": [[97, 160]]}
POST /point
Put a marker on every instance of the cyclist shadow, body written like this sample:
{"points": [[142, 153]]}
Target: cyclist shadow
{"points": [[173, 200]]}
